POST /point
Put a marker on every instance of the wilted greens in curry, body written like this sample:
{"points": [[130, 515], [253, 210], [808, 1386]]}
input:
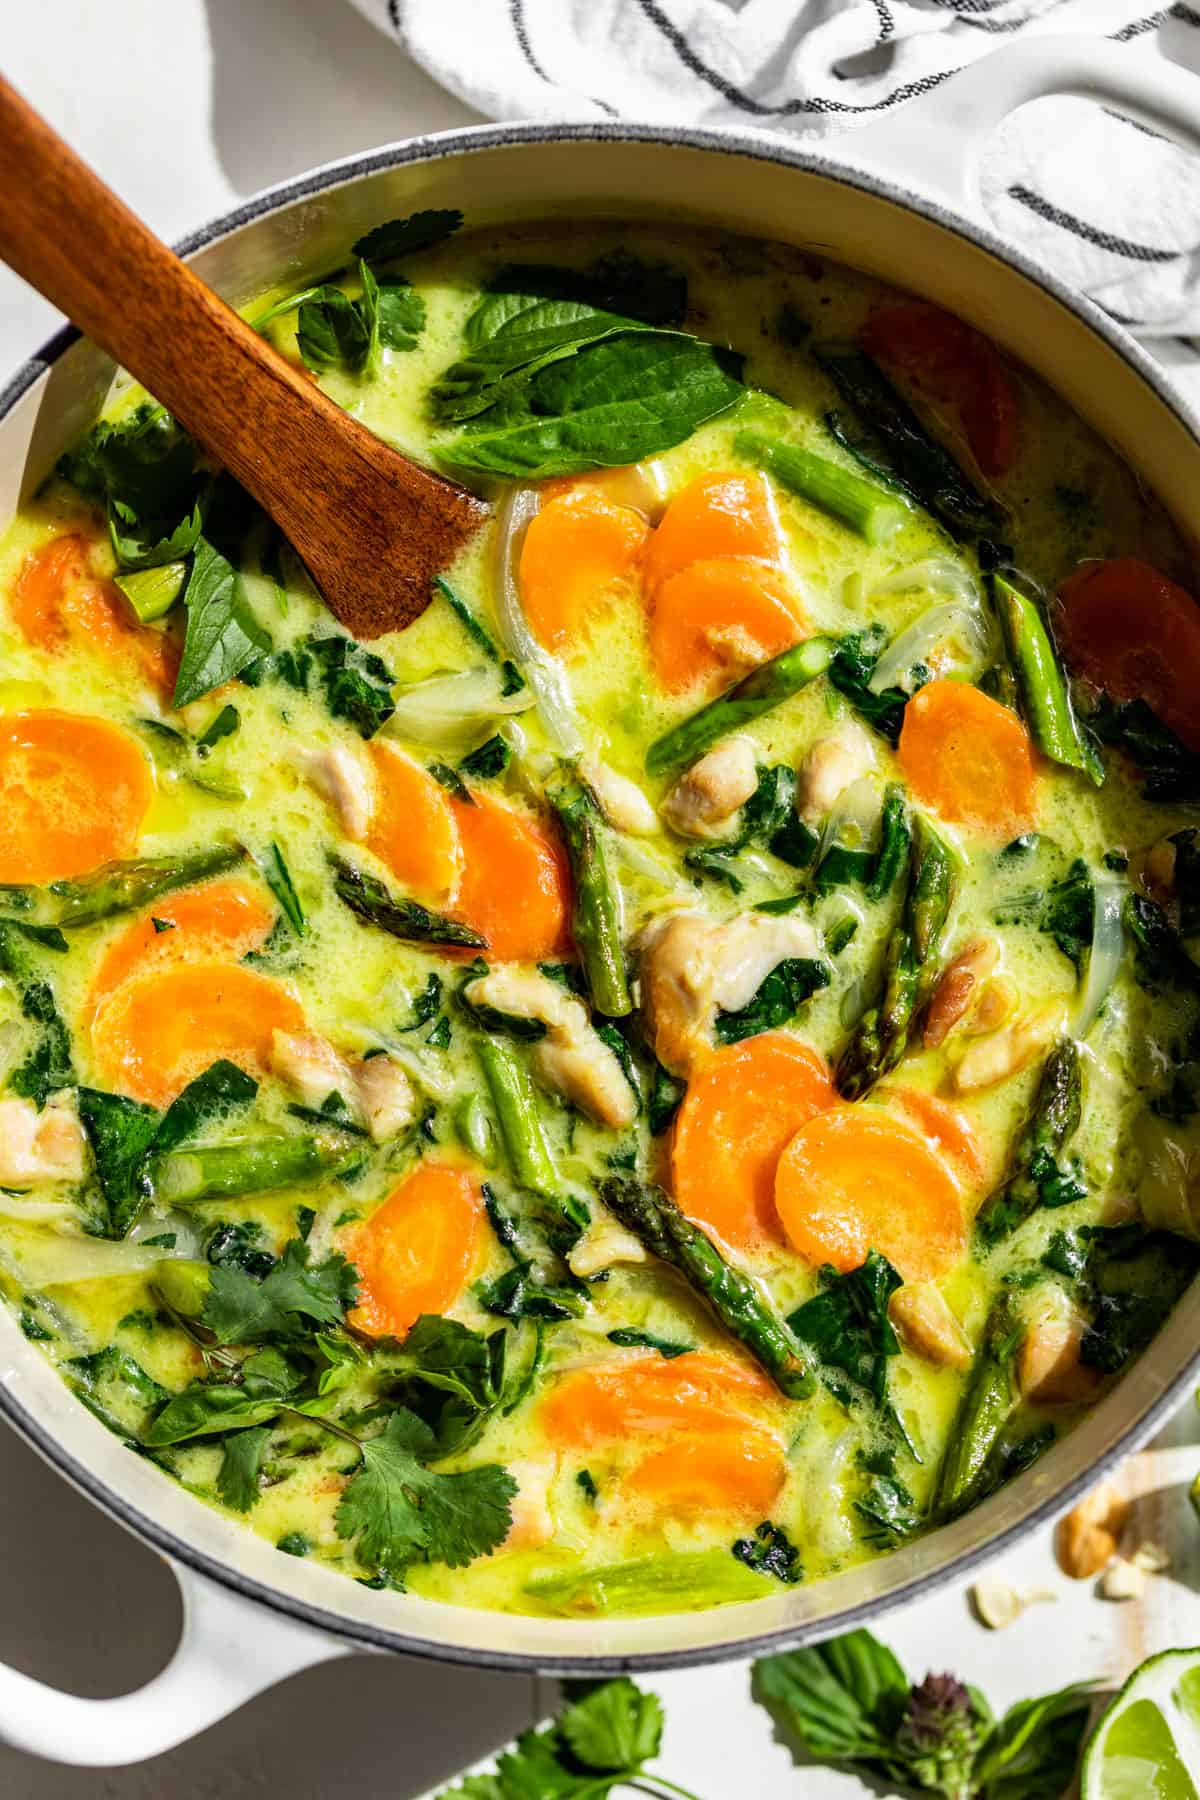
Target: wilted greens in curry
{"points": [[677, 1072]]}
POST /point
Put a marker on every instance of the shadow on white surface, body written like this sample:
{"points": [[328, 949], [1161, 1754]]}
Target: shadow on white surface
{"points": [[282, 71], [88, 1608]]}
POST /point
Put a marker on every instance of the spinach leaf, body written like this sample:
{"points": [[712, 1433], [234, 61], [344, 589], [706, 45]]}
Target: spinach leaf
{"points": [[397, 1510], [353, 683], [237, 1246], [407, 920], [223, 636], [48, 1066], [425, 1005], [624, 398], [847, 1328], [1161, 960], [1063, 911], [885, 1503], [404, 237], [850, 672], [521, 1293], [778, 1000], [630, 1338], [1187, 879], [768, 818], [488, 761], [770, 1552], [664, 1099], [221, 1090], [265, 1383], [120, 1132], [512, 680], [1170, 771], [241, 1466], [278, 878]]}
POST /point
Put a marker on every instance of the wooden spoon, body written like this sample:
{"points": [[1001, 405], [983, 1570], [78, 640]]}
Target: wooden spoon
{"points": [[372, 528]]}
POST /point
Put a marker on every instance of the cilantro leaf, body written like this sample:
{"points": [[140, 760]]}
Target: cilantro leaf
{"points": [[614, 1727], [403, 237], [286, 1304], [397, 1510], [596, 1745], [241, 1465]]}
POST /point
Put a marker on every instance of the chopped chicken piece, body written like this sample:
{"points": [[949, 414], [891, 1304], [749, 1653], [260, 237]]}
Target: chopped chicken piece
{"points": [[571, 1058], [1049, 1371], [310, 1066], [705, 802], [532, 1520], [957, 988], [922, 1316], [603, 1244], [1003, 1053], [692, 968], [620, 800], [829, 767], [40, 1146], [385, 1095], [344, 779]]}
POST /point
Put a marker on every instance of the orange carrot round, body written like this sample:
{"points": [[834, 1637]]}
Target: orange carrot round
{"points": [[948, 1130], [1125, 627], [516, 887], [957, 365], [159, 1031], [714, 620], [57, 604], [221, 920], [854, 1179], [415, 1252], [729, 1472], [717, 515], [697, 1392], [412, 826], [738, 1115], [581, 552], [969, 759], [73, 793]]}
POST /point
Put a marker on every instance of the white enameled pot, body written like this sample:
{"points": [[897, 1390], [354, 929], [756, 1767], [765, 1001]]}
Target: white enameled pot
{"points": [[906, 209]]}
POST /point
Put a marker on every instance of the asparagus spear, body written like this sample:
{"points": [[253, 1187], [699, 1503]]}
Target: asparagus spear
{"points": [[867, 509], [596, 917], [653, 1217], [985, 1410], [223, 1171], [910, 966], [1053, 1120], [407, 920], [517, 1113], [765, 687], [928, 470], [123, 886], [1045, 700]]}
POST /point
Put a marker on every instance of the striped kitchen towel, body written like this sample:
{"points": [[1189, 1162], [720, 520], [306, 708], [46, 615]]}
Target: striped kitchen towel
{"points": [[1114, 208]]}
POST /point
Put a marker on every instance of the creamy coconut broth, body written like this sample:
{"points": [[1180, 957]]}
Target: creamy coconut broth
{"points": [[675, 1073]]}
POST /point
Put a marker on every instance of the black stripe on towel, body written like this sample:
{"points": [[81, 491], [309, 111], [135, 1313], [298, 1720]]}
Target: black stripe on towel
{"points": [[516, 12], [1103, 240]]}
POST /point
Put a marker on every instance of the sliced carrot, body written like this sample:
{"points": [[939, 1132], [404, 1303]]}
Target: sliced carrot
{"points": [[730, 1472], [415, 1252], [412, 826], [220, 921], [717, 515], [162, 1029], [699, 1391], [581, 552], [73, 793], [58, 604], [957, 365], [945, 1127], [713, 620], [969, 759], [853, 1179], [738, 1115], [1128, 629], [516, 887]]}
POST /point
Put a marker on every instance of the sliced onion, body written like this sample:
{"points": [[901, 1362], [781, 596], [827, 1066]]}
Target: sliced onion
{"points": [[52, 1259], [447, 707], [1104, 958], [852, 822], [425, 1077], [940, 573], [952, 620], [544, 673]]}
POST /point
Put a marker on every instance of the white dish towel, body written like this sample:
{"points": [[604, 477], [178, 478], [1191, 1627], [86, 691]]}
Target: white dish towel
{"points": [[1114, 208]]}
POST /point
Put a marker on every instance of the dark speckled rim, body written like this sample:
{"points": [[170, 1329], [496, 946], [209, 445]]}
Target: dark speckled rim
{"points": [[367, 1634]]}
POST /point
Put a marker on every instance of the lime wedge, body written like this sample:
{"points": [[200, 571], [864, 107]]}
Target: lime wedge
{"points": [[1147, 1745]]}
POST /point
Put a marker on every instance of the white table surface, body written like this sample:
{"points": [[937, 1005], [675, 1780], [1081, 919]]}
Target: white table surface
{"points": [[187, 106]]}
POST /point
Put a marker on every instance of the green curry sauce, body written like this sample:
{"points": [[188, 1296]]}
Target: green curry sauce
{"points": [[458, 1266]]}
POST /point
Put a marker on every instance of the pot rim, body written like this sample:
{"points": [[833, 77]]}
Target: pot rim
{"points": [[763, 147]]}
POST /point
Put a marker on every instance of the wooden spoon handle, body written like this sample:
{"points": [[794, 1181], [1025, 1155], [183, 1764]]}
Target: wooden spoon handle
{"points": [[301, 457]]}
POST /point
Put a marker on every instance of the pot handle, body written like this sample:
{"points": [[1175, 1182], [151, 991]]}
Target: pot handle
{"points": [[937, 143], [229, 1650]]}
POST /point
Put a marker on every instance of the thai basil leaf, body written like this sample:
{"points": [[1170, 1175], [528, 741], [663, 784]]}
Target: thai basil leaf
{"points": [[223, 636]]}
